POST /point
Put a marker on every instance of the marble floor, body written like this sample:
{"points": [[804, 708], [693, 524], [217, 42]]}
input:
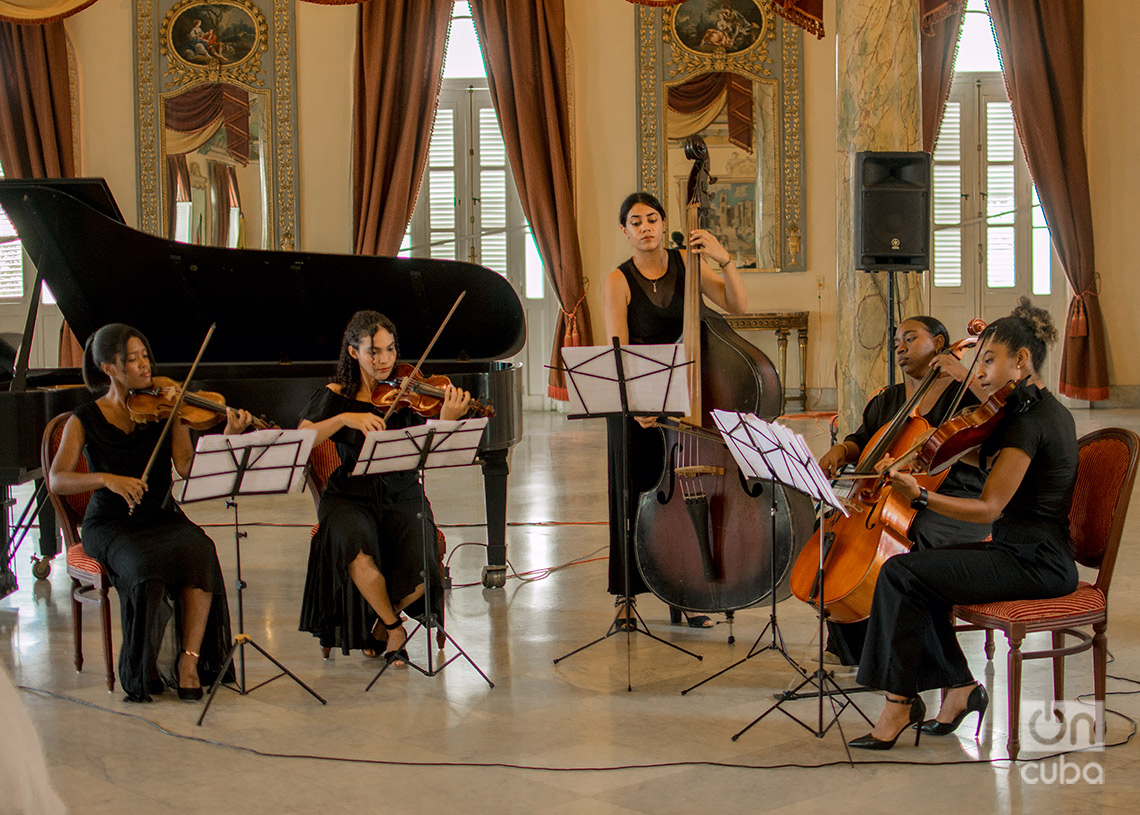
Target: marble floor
{"points": [[546, 739]]}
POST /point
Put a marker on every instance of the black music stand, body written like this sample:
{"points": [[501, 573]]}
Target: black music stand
{"points": [[626, 381], [267, 462], [432, 446], [768, 450]]}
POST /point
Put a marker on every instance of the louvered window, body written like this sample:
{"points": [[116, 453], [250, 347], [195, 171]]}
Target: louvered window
{"points": [[11, 259]]}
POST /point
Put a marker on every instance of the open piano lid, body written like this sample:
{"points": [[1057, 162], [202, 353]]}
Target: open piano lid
{"points": [[269, 306]]}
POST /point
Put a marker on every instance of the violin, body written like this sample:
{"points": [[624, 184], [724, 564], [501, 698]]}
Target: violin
{"points": [[201, 410], [963, 433], [424, 394]]}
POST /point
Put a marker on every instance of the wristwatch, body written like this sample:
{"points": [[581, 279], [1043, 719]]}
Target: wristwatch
{"points": [[922, 500]]}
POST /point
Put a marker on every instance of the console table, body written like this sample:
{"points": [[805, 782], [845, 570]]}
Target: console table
{"points": [[782, 322]]}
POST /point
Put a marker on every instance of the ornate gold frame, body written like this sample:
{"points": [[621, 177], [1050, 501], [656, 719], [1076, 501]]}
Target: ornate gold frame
{"points": [[155, 64], [775, 58]]}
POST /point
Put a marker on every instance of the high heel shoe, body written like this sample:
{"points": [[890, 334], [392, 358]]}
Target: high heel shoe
{"points": [[979, 700], [917, 714], [397, 656], [676, 615], [189, 694]]}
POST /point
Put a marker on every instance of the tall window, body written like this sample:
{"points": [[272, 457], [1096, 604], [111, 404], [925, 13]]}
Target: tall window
{"points": [[468, 207], [990, 239], [11, 259]]}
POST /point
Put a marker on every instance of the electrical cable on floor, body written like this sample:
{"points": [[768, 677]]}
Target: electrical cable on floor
{"points": [[538, 768], [543, 572]]}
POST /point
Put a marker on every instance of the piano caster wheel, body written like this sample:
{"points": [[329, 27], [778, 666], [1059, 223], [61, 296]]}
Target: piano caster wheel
{"points": [[40, 568], [494, 577]]}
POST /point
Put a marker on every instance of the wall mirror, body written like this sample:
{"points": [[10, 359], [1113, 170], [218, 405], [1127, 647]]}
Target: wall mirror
{"points": [[732, 72], [215, 110]]}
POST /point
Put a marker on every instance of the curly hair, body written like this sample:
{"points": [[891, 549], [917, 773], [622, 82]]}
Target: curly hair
{"points": [[1028, 326], [108, 344], [362, 324]]}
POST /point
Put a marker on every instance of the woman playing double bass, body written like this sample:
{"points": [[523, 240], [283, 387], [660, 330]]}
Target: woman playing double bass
{"points": [[644, 305], [1031, 463], [920, 345]]}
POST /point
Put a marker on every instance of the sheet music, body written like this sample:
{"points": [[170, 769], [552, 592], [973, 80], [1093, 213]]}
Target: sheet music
{"points": [[769, 451], [656, 378], [453, 444], [276, 464]]}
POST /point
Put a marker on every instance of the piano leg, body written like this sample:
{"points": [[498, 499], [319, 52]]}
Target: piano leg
{"points": [[495, 472]]}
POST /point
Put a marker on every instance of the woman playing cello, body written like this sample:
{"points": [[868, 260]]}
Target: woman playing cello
{"points": [[921, 344], [150, 549], [644, 305], [1031, 465]]}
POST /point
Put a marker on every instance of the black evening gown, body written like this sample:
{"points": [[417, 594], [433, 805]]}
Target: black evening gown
{"points": [[654, 317], [151, 555], [374, 514]]}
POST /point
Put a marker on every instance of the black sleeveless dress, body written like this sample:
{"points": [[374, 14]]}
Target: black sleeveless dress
{"points": [[650, 323], [374, 514], [151, 555]]}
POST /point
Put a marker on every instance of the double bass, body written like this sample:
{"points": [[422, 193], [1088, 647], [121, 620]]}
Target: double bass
{"points": [[703, 538], [856, 546]]}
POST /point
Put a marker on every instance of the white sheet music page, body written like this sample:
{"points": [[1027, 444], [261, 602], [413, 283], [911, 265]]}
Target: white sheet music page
{"points": [[453, 444], [655, 376], [276, 464]]}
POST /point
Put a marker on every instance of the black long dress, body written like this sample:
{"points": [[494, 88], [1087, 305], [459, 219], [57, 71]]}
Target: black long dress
{"points": [[374, 514], [655, 316], [910, 645], [151, 555]]}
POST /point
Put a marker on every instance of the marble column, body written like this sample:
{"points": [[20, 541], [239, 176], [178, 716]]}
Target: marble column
{"points": [[877, 108]]}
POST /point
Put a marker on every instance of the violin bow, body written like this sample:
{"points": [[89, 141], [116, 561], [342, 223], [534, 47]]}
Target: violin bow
{"points": [[177, 404], [408, 379]]}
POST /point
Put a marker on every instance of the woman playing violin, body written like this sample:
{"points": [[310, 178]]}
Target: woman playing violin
{"points": [[149, 548], [644, 305], [367, 557], [1031, 465], [921, 345]]}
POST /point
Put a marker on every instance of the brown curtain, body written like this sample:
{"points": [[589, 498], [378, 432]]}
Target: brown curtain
{"points": [[399, 67], [178, 181], [704, 90], [196, 108], [227, 197], [36, 138], [1042, 51], [524, 45], [808, 14], [939, 46]]}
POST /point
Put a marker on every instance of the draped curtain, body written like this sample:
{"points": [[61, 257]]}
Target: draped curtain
{"points": [[939, 46], [196, 114], [50, 11], [399, 68], [1042, 51], [808, 14], [36, 138], [694, 104], [524, 45], [178, 176], [225, 183]]}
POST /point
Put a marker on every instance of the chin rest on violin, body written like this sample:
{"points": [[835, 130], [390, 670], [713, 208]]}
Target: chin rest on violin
{"points": [[199, 409], [423, 394]]}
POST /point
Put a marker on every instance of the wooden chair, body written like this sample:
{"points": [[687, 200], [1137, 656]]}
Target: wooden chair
{"points": [[1105, 475], [90, 582], [323, 462]]}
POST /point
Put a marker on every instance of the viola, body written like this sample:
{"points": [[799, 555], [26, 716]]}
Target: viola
{"points": [[424, 394], [855, 547], [201, 410], [963, 433]]}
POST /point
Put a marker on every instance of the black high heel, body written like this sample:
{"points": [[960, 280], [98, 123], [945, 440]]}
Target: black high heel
{"points": [[189, 694], [398, 655], [917, 714], [978, 702]]}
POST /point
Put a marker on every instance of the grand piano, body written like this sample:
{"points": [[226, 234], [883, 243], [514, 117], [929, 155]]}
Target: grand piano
{"points": [[280, 317]]}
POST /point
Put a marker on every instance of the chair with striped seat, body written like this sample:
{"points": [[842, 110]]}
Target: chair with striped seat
{"points": [[1105, 474], [90, 582], [323, 462]]}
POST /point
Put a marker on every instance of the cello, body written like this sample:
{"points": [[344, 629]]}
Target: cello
{"points": [[856, 546], [703, 541]]}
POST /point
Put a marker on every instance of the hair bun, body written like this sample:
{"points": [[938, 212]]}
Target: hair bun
{"points": [[1038, 318]]}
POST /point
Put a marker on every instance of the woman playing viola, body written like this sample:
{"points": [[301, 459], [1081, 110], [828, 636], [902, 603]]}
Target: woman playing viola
{"points": [[366, 560], [644, 305], [920, 343], [1031, 465], [150, 549]]}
